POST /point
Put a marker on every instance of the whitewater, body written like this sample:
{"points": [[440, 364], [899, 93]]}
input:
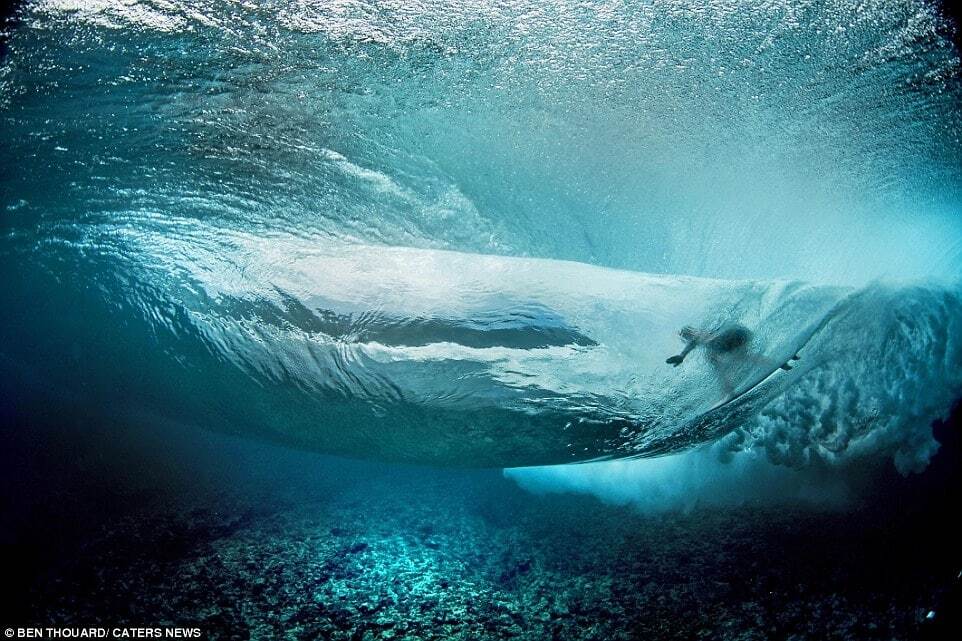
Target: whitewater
{"points": [[468, 234]]}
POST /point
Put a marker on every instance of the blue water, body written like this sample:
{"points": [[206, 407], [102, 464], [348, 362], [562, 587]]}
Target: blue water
{"points": [[466, 234]]}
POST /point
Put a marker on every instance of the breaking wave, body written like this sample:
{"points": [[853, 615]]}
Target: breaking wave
{"points": [[468, 234]]}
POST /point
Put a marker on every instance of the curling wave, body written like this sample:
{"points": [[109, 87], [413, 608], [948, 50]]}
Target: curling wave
{"points": [[464, 359], [468, 233]]}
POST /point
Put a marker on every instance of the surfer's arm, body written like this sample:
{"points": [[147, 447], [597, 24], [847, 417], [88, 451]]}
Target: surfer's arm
{"points": [[676, 360]]}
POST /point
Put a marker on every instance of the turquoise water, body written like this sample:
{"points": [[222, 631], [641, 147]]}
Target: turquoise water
{"points": [[467, 234], [273, 275]]}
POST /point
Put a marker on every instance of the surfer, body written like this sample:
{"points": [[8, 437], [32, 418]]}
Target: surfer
{"points": [[729, 339], [728, 343]]}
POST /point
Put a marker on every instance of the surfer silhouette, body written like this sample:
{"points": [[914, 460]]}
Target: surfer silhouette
{"points": [[723, 348]]}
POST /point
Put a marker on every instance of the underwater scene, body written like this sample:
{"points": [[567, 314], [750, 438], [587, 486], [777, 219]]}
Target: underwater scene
{"points": [[481, 319]]}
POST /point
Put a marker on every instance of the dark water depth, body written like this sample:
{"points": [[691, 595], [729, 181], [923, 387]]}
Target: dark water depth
{"points": [[254, 542]]}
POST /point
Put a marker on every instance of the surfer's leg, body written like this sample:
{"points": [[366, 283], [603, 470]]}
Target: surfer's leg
{"points": [[724, 380], [764, 362], [728, 389]]}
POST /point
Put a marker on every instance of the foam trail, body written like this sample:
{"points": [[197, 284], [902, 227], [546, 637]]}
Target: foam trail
{"points": [[700, 478]]}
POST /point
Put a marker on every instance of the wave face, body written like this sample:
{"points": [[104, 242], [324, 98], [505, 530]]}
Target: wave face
{"points": [[468, 234]]}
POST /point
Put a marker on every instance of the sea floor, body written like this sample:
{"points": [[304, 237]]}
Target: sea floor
{"points": [[403, 553]]}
